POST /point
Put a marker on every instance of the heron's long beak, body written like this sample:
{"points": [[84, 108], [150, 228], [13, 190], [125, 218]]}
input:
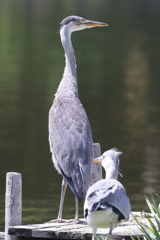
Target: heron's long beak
{"points": [[98, 160], [95, 24]]}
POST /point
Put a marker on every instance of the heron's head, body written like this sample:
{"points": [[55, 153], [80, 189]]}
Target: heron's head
{"points": [[75, 23], [110, 162]]}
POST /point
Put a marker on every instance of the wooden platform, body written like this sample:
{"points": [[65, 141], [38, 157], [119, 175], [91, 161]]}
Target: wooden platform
{"points": [[71, 230], [2, 235]]}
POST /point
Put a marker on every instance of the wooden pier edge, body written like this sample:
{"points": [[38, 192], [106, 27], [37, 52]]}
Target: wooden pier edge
{"points": [[72, 230]]}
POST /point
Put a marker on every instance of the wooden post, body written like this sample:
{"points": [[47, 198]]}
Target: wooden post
{"points": [[13, 202], [96, 173]]}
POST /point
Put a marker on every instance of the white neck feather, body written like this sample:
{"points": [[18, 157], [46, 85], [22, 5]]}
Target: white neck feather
{"points": [[68, 85]]}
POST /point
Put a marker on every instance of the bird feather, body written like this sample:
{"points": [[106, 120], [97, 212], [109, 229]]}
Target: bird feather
{"points": [[71, 142]]}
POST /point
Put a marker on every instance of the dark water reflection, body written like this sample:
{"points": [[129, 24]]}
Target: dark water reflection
{"points": [[118, 72]]}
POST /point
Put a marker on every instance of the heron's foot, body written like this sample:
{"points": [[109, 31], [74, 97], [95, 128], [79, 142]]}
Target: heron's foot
{"points": [[58, 220], [78, 221], [110, 236]]}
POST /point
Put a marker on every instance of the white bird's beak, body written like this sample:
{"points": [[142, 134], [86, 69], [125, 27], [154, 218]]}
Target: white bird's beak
{"points": [[98, 159]]}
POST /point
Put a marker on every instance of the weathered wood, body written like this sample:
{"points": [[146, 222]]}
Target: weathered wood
{"points": [[76, 231], [96, 173], [2, 235], [13, 202]]}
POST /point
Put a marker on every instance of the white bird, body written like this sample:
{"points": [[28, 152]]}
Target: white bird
{"points": [[106, 202]]}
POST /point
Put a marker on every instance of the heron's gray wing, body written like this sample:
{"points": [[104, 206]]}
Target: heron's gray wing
{"points": [[110, 192], [71, 142]]}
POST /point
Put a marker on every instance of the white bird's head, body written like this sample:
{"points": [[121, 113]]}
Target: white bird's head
{"points": [[75, 23], [110, 162]]}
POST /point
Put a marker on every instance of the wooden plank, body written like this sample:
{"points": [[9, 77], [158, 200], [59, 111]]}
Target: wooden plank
{"points": [[27, 230], [64, 230], [75, 231], [2, 235], [13, 202]]}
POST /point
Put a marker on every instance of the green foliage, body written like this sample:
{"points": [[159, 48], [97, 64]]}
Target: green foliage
{"points": [[152, 230], [138, 238]]}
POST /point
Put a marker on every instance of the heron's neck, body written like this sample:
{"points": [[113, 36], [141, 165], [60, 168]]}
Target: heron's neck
{"points": [[111, 174], [68, 85]]}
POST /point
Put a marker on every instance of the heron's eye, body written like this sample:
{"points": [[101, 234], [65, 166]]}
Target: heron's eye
{"points": [[81, 22]]}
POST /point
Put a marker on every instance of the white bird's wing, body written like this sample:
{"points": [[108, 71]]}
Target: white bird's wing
{"points": [[109, 192]]}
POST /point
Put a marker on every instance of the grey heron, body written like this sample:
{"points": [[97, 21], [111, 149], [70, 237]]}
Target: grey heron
{"points": [[106, 202], [70, 135]]}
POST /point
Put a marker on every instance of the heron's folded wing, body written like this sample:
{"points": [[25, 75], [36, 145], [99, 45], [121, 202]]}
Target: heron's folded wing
{"points": [[71, 142]]}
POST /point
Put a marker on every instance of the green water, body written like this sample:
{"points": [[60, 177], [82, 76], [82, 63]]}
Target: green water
{"points": [[119, 82]]}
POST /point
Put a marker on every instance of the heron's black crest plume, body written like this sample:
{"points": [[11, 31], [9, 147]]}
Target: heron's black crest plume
{"points": [[70, 19]]}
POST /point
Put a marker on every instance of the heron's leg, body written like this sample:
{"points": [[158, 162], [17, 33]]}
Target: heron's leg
{"points": [[94, 230], [76, 212], [109, 235], [63, 191]]}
